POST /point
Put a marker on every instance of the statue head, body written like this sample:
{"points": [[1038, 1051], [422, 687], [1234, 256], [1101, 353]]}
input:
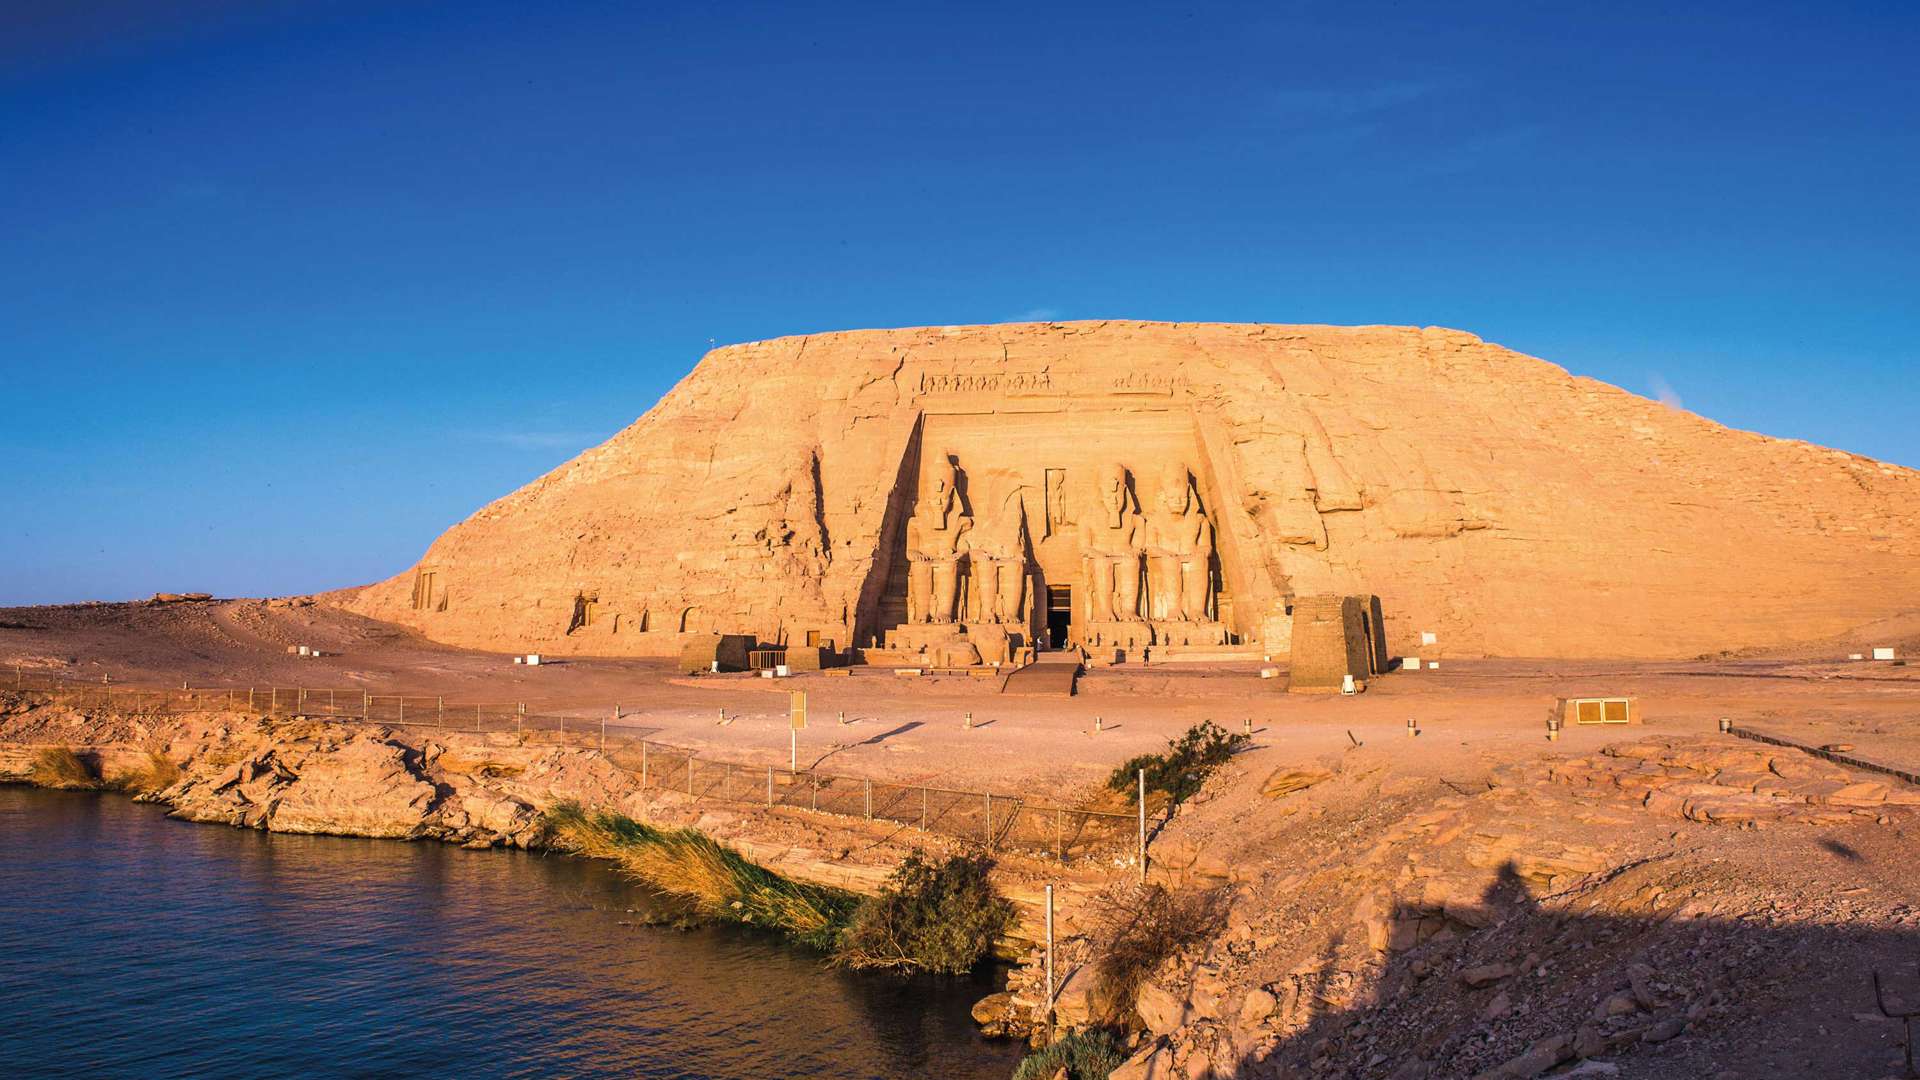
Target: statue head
{"points": [[937, 493], [1176, 489]]}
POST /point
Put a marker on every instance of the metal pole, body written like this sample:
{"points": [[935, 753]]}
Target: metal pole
{"points": [[769, 787], [989, 821], [440, 710], [869, 785], [1143, 826], [923, 808], [1049, 1012], [793, 749]]}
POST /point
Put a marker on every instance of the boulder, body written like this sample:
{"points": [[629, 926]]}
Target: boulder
{"points": [[1159, 1009]]}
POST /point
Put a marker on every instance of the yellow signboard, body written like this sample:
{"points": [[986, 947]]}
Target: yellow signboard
{"points": [[797, 709]]}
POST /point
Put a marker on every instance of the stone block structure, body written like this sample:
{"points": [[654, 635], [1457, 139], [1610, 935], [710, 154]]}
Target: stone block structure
{"points": [[1331, 643], [1153, 485]]}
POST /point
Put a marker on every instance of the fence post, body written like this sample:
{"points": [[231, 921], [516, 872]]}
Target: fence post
{"points": [[869, 787], [689, 774], [1047, 1016], [1059, 836], [989, 821], [923, 808], [813, 782], [440, 711], [1143, 826], [643, 763], [769, 787]]}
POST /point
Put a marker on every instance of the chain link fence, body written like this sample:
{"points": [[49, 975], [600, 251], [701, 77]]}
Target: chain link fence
{"points": [[997, 821]]}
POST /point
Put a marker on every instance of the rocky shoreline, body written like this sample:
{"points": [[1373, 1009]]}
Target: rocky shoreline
{"points": [[477, 790]]}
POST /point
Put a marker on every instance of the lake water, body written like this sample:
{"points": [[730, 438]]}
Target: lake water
{"points": [[131, 944]]}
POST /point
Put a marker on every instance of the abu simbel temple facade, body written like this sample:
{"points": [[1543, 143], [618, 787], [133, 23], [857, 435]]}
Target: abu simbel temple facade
{"points": [[959, 495]]}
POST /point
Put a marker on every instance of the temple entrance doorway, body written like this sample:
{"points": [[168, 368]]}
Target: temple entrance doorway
{"points": [[1059, 615]]}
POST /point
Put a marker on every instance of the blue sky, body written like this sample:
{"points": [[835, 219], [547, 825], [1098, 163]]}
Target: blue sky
{"points": [[288, 288]]}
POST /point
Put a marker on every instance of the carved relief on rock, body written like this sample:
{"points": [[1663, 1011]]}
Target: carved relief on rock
{"points": [[1112, 538], [1179, 547], [936, 544]]}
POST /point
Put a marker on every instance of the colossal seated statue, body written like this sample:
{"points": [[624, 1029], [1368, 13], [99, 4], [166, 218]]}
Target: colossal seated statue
{"points": [[1179, 549], [1111, 541], [997, 556], [936, 542]]}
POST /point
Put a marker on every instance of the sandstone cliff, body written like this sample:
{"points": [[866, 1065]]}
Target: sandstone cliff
{"points": [[1489, 498]]}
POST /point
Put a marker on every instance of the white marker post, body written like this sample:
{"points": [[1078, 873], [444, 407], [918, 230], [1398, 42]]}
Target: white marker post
{"points": [[796, 719], [1049, 1013], [1143, 826]]}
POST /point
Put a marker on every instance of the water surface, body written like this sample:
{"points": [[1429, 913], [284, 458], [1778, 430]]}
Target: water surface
{"points": [[132, 944]]}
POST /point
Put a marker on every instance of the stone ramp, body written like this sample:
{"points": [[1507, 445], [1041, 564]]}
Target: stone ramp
{"points": [[1052, 675]]}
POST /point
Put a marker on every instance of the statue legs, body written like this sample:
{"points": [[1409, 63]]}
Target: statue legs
{"points": [[1196, 577], [946, 588], [919, 591], [1168, 598], [986, 591], [1099, 589], [1126, 573], [1012, 590]]}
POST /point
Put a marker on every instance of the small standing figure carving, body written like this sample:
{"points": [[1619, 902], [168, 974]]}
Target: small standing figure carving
{"points": [[1111, 540], [935, 545]]}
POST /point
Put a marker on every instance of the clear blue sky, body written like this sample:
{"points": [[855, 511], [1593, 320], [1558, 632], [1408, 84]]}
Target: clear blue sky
{"points": [[286, 288]]}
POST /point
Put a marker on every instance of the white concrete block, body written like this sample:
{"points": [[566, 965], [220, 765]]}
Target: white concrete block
{"points": [[782, 670], [1882, 654], [519, 659], [1269, 672], [304, 651], [1856, 656], [1410, 663], [1433, 665], [533, 659], [1346, 684]]}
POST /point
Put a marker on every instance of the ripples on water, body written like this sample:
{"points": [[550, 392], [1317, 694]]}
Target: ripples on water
{"points": [[131, 944]]}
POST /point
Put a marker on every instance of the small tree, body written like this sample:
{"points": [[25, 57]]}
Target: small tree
{"points": [[1180, 772], [939, 916]]}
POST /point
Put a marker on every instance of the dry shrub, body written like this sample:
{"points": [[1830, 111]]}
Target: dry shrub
{"points": [[711, 878], [158, 774], [60, 767], [940, 916], [1139, 927], [1085, 1055]]}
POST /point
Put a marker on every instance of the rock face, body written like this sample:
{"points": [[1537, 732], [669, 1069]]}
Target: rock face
{"points": [[1486, 497]]}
